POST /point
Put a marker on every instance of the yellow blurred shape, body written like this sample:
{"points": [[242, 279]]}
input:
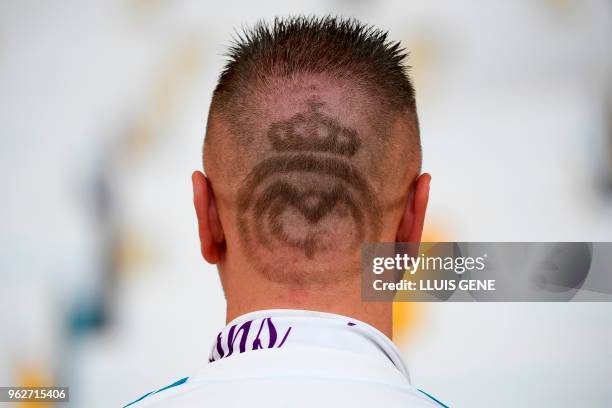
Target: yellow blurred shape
{"points": [[424, 51], [139, 136], [434, 232], [33, 375], [407, 314], [132, 251], [177, 73], [562, 7], [143, 6]]}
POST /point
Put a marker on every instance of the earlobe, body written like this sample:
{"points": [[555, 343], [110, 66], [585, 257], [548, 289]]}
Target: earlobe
{"points": [[413, 220], [212, 238]]}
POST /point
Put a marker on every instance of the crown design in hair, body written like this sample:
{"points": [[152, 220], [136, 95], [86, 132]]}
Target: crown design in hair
{"points": [[315, 132]]}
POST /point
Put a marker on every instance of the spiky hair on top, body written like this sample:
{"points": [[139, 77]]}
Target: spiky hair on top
{"points": [[334, 46]]}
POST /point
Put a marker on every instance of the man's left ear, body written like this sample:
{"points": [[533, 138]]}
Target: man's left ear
{"points": [[212, 237], [411, 225]]}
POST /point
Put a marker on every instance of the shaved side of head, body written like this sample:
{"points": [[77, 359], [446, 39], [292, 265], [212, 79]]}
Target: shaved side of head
{"points": [[311, 145]]}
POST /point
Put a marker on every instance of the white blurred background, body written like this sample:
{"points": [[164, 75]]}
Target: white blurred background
{"points": [[102, 113]]}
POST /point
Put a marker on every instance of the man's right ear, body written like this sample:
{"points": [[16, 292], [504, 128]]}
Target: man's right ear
{"points": [[212, 238]]}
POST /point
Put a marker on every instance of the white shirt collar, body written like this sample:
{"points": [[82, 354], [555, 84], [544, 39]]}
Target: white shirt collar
{"points": [[287, 328]]}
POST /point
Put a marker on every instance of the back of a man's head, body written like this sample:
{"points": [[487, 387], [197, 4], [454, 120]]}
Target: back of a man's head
{"points": [[311, 147]]}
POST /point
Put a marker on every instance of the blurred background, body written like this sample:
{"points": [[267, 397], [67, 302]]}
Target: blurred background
{"points": [[102, 113]]}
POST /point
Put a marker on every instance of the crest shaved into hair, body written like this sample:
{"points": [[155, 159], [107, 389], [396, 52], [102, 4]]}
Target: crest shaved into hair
{"points": [[312, 141]]}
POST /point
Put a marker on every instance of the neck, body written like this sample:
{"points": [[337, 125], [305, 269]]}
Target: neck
{"points": [[257, 293]]}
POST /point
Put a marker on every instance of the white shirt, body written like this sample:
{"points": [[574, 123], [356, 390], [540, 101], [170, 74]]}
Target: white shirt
{"points": [[296, 358]]}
